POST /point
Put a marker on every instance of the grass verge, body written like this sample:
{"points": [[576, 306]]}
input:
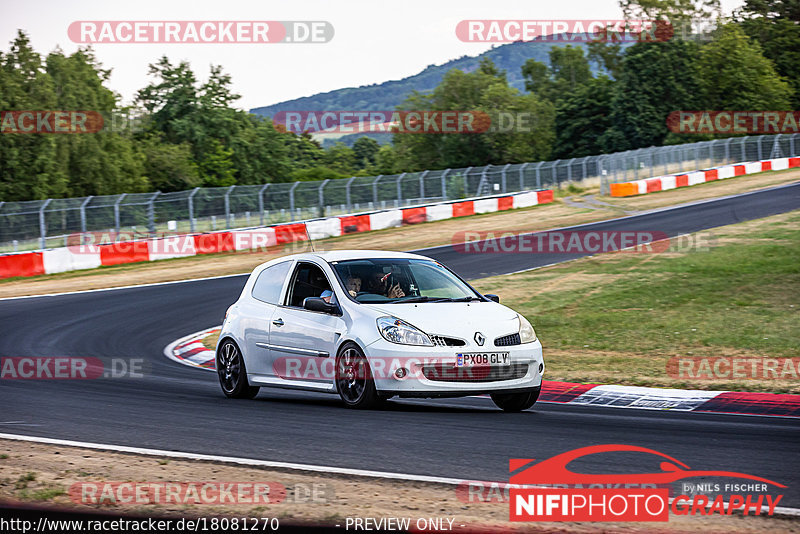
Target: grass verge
{"points": [[618, 318]]}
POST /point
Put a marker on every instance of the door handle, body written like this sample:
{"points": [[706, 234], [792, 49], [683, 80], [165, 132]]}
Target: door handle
{"points": [[278, 322]]}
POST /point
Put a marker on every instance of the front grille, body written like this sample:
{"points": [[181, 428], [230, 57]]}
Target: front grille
{"points": [[444, 341], [507, 341], [450, 373]]}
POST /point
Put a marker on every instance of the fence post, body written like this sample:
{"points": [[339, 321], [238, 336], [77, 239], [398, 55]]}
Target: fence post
{"points": [[569, 169], [539, 175], [375, 189], [116, 215], [776, 147], [503, 177], [791, 145], [346, 190], [400, 188], [83, 215], [583, 167], [554, 172], [728, 149], [466, 182], [228, 207], [522, 176], [444, 184], [322, 196], [422, 185], [261, 203], [190, 204], [151, 214], [43, 226], [291, 199]]}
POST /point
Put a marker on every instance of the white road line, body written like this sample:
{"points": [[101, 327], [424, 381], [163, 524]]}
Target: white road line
{"points": [[236, 460], [385, 475]]}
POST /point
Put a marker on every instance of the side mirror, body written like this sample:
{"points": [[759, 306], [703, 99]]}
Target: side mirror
{"points": [[318, 305], [495, 298]]}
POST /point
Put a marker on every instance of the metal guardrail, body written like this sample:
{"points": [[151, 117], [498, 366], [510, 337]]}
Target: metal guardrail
{"points": [[48, 223]]}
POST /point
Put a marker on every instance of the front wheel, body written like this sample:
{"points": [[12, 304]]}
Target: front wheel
{"points": [[232, 372], [516, 402], [354, 380]]}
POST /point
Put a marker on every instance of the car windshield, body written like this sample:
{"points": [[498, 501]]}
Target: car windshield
{"points": [[401, 280]]}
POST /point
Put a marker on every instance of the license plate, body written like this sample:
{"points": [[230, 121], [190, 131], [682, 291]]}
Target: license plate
{"points": [[480, 359]]}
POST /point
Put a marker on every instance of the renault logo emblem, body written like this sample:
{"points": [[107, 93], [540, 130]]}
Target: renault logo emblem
{"points": [[479, 339]]}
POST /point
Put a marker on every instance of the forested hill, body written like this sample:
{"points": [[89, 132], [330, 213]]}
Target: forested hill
{"points": [[386, 96]]}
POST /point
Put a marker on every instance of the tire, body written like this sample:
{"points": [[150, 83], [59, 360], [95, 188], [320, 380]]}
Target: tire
{"points": [[516, 402], [232, 373], [354, 380]]}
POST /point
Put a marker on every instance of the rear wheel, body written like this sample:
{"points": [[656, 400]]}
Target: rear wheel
{"points": [[516, 402], [232, 372], [354, 380]]}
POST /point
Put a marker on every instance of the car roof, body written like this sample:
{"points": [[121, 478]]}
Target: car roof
{"points": [[342, 255]]}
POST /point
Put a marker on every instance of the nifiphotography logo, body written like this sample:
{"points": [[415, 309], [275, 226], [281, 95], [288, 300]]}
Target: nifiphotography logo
{"points": [[549, 491]]}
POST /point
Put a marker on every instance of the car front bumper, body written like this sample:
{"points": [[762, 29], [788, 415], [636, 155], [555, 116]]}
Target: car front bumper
{"points": [[432, 371]]}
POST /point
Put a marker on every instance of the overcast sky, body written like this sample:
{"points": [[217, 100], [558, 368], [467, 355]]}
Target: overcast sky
{"points": [[375, 41]]}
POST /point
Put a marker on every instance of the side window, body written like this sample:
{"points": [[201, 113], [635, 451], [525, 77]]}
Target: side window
{"points": [[270, 282], [308, 281]]}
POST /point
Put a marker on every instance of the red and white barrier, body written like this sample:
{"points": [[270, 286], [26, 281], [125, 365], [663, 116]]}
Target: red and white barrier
{"points": [[178, 246], [673, 181]]}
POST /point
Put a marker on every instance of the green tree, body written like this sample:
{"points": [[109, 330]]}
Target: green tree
{"points": [[734, 74], [365, 149], [216, 168], [29, 164], [675, 11], [169, 167], [608, 56], [582, 118], [568, 70], [775, 25], [656, 79], [340, 158], [484, 90]]}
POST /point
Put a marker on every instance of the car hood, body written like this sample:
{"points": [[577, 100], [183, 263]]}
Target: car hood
{"points": [[456, 319]]}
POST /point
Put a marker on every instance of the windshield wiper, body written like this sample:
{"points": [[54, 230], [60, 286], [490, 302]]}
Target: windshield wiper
{"points": [[462, 299]]}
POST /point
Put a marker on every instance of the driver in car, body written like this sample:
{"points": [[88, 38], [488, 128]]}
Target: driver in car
{"points": [[377, 283]]}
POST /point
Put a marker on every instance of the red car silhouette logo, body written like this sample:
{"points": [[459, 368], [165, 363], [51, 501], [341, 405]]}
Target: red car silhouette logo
{"points": [[554, 470]]}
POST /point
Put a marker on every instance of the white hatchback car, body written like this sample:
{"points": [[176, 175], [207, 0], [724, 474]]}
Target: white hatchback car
{"points": [[371, 325]]}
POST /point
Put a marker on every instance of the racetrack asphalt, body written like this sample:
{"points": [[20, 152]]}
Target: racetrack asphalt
{"points": [[174, 407]]}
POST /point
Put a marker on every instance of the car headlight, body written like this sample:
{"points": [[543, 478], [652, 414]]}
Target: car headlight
{"points": [[526, 332], [398, 331]]}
